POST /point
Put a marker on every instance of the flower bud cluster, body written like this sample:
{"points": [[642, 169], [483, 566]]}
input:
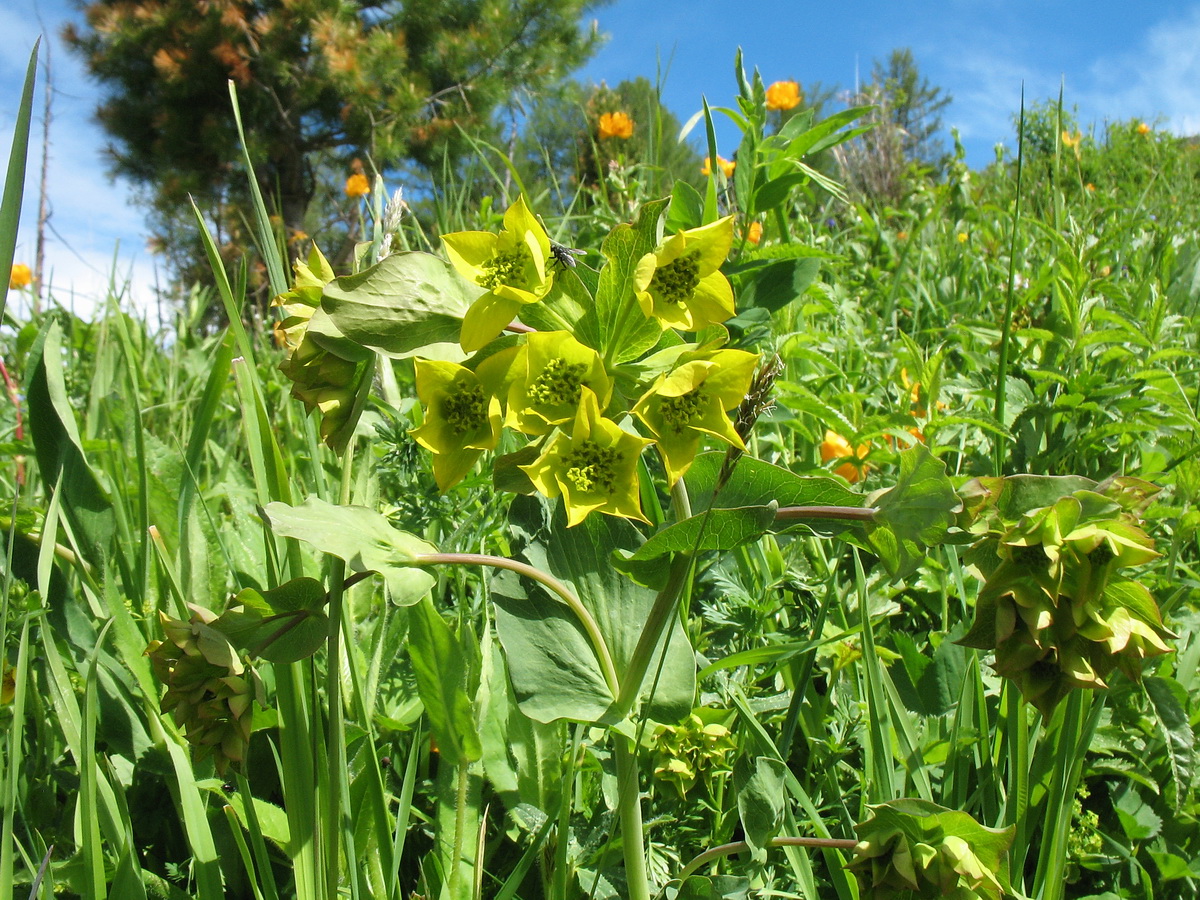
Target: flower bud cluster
{"points": [[1056, 607], [210, 690]]}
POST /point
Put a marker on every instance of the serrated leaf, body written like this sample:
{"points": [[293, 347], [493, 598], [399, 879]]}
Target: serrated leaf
{"points": [[1168, 704], [363, 538]]}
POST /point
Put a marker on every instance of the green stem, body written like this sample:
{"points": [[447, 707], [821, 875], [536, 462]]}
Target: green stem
{"points": [[840, 513], [335, 734], [629, 808], [460, 827], [660, 613], [609, 669], [741, 847]]}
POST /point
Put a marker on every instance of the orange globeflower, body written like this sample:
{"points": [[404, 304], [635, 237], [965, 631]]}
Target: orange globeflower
{"points": [[722, 163], [357, 185], [19, 277], [783, 95], [616, 124], [754, 232], [1143, 129], [837, 447]]}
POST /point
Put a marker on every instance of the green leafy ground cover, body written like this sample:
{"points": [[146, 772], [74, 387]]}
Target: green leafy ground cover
{"points": [[855, 611]]}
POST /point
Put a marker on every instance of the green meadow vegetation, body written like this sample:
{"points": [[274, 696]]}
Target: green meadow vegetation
{"points": [[821, 526]]}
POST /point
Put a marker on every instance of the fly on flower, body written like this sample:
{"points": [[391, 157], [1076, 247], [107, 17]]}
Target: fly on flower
{"points": [[564, 255]]}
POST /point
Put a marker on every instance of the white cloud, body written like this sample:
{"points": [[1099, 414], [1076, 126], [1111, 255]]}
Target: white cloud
{"points": [[1160, 77]]}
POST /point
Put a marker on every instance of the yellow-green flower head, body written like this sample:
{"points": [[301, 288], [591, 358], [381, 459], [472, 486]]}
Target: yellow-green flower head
{"points": [[693, 401], [302, 300], [593, 468], [554, 368], [511, 266], [461, 419], [680, 284]]}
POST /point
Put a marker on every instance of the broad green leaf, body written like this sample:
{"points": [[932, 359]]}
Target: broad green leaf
{"points": [[1138, 819], [773, 284], [403, 305], [914, 514], [686, 209], [717, 887], [272, 821], [760, 798], [441, 669], [715, 529], [59, 448], [554, 668], [617, 312], [360, 536], [758, 483], [282, 625]]}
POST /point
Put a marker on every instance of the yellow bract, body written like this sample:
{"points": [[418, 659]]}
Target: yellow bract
{"points": [[680, 284], [511, 266]]}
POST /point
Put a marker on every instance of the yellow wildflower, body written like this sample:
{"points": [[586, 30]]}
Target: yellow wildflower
{"points": [[357, 185], [1071, 140], [21, 276], [783, 95], [961, 237], [754, 232], [681, 285], [723, 164], [1143, 129], [616, 124], [1090, 188]]}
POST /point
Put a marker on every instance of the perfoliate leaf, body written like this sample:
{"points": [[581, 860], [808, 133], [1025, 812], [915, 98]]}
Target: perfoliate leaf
{"points": [[406, 304], [363, 538]]}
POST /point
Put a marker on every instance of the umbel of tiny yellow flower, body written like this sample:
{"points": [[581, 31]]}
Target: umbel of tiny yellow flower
{"points": [[726, 166], [461, 419], [20, 276], [691, 402], [680, 284], [550, 374], [615, 125], [358, 185], [783, 95], [511, 266], [593, 468]]}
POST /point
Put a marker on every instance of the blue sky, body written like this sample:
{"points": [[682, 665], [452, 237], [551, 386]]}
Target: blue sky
{"points": [[1117, 60]]}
